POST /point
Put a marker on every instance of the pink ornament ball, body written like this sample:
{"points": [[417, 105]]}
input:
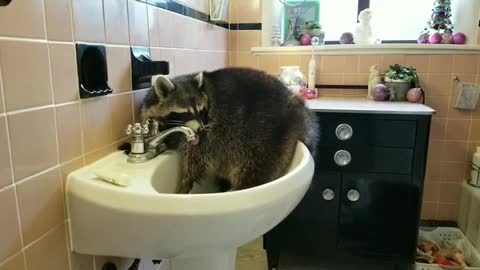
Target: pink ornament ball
{"points": [[459, 38], [306, 40], [415, 95], [310, 93], [435, 38], [447, 38]]}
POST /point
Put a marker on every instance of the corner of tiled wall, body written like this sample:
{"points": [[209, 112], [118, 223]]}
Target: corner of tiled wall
{"points": [[46, 131]]}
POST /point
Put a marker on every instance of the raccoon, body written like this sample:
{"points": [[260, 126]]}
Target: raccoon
{"points": [[248, 124]]}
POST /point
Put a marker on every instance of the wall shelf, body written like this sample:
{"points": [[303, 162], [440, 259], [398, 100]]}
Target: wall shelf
{"points": [[369, 49]]}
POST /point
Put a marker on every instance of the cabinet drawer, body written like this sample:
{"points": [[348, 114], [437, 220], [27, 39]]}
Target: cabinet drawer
{"points": [[367, 159], [365, 131]]}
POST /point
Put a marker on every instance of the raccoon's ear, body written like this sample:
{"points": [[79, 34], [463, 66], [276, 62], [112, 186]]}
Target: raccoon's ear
{"points": [[162, 85], [199, 79]]}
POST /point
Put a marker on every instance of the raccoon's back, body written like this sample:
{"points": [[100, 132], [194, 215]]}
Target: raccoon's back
{"points": [[258, 106]]}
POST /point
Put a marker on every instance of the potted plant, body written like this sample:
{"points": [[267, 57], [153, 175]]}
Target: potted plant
{"points": [[399, 79], [314, 29]]}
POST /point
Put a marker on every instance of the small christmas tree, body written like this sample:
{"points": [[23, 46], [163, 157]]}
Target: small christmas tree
{"points": [[440, 20]]}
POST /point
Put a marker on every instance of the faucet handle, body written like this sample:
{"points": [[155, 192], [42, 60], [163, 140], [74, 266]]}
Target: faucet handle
{"points": [[155, 125], [137, 130]]}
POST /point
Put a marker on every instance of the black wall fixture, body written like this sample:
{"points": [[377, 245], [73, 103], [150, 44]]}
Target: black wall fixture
{"points": [[5, 2], [92, 71], [143, 68]]}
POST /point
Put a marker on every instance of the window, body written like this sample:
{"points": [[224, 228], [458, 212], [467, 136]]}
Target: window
{"points": [[393, 20], [337, 17], [398, 20]]}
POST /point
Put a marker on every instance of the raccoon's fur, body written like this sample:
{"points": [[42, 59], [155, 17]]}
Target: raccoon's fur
{"points": [[248, 124]]}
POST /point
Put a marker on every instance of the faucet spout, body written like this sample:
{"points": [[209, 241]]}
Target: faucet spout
{"points": [[156, 140], [147, 143]]}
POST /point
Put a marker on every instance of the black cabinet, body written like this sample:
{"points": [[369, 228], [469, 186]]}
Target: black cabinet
{"points": [[364, 203], [381, 220]]}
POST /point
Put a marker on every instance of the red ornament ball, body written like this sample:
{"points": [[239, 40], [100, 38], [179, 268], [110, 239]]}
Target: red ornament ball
{"points": [[459, 38], [435, 38], [415, 95], [306, 40]]}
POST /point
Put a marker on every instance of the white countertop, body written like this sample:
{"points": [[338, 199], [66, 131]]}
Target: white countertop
{"points": [[363, 105]]}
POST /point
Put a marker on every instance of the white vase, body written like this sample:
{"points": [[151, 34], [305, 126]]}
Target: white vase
{"points": [[293, 78]]}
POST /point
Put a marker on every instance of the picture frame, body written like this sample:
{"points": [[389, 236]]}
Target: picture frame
{"points": [[309, 10]]}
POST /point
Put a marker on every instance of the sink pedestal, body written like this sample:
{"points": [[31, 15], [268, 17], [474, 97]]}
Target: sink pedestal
{"points": [[214, 260]]}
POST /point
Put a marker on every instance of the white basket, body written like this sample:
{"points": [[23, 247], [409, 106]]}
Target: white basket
{"points": [[472, 257], [467, 95]]}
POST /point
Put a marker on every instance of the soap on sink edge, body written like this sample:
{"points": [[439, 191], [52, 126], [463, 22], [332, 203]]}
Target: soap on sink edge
{"points": [[112, 177]]}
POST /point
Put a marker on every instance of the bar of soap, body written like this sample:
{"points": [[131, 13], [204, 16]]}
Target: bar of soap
{"points": [[112, 177]]}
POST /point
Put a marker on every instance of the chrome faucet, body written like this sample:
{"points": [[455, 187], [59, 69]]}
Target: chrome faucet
{"points": [[147, 140]]}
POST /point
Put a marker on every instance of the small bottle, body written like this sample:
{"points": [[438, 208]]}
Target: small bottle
{"points": [[476, 168]]}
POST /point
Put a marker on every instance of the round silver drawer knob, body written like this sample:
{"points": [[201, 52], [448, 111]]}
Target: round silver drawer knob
{"points": [[353, 195], [342, 158], [328, 194], [344, 132]]}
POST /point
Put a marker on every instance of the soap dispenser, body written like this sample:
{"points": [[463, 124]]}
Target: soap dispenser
{"points": [[475, 180]]}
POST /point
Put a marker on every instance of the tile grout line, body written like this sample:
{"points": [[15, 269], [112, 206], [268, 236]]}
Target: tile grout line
{"points": [[55, 123], [45, 234], [10, 257], [12, 174], [23, 39], [30, 177], [30, 109], [82, 136]]}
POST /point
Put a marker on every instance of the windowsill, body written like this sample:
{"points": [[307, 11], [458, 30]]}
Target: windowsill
{"points": [[369, 49]]}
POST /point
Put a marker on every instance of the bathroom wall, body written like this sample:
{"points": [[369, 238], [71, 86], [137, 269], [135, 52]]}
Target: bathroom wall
{"points": [[454, 134], [46, 131]]}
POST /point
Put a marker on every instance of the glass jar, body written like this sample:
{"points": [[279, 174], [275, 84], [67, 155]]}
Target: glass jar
{"points": [[293, 78]]}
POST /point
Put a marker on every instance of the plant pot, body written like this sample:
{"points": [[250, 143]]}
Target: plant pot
{"points": [[314, 32], [398, 89]]}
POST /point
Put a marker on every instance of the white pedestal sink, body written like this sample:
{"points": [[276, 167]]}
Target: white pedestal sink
{"points": [[194, 231]]}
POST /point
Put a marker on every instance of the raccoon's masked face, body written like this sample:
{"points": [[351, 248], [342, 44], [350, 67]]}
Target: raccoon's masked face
{"points": [[182, 99]]}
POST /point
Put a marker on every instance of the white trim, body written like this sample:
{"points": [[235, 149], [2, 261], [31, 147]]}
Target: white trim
{"points": [[369, 49]]}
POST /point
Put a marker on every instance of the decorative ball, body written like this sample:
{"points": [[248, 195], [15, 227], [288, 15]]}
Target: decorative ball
{"points": [[306, 40], [415, 95], [423, 38], [435, 38], [380, 92], [310, 93], [447, 38], [346, 38], [459, 38]]}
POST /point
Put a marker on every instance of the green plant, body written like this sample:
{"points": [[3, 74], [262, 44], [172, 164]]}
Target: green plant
{"points": [[311, 25], [400, 72]]}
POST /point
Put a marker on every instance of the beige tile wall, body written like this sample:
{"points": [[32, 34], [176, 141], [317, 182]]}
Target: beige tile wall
{"points": [[454, 134], [47, 132]]}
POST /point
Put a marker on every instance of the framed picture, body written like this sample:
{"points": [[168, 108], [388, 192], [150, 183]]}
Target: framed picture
{"points": [[308, 10]]}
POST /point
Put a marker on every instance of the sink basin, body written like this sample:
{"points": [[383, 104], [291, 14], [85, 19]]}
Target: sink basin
{"points": [[194, 231]]}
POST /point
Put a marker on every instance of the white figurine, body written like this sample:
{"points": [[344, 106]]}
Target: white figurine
{"points": [[363, 31]]}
